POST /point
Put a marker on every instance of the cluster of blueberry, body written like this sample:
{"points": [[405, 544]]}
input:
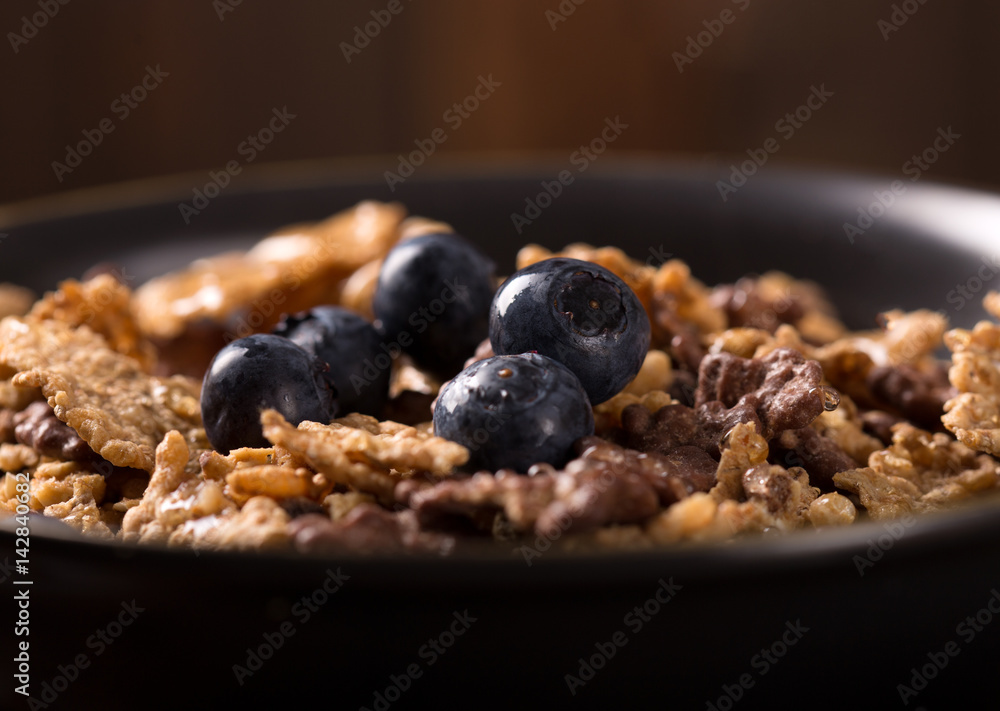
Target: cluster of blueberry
{"points": [[567, 334]]}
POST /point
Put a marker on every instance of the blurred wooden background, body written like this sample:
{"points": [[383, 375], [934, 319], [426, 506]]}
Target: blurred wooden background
{"points": [[560, 76]]}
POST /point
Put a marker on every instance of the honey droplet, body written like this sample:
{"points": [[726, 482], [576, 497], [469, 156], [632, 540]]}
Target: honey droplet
{"points": [[507, 372], [831, 398], [595, 304]]}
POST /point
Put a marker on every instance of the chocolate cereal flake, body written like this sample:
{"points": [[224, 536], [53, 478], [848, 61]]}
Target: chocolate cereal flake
{"points": [[782, 388], [37, 426], [605, 484], [367, 528]]}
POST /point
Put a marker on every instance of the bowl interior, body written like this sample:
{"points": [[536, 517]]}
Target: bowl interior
{"points": [[542, 623]]}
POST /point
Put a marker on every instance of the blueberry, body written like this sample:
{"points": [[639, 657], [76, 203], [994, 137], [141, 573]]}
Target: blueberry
{"points": [[259, 372], [514, 411], [578, 313], [432, 299], [352, 348]]}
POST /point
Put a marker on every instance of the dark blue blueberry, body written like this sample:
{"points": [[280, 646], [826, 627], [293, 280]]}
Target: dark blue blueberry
{"points": [[578, 313], [433, 300], [261, 372], [514, 411], [352, 348]]}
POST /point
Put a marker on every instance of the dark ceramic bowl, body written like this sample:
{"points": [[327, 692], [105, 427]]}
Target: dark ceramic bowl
{"points": [[789, 622]]}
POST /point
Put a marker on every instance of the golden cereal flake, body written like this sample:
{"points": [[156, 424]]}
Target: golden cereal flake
{"points": [[392, 445], [909, 337], [884, 497], [700, 518], [218, 466], [339, 504], [121, 412], [608, 538], [691, 518], [177, 493], [294, 268], [406, 376], [358, 289], [749, 496], [786, 336], [15, 457], [608, 414], [13, 397], [260, 525], [906, 338], [743, 449], [819, 323], [833, 509], [785, 494], [943, 470], [975, 421], [675, 289], [105, 305], [319, 446], [9, 493], [656, 373], [69, 492], [15, 300], [991, 302], [275, 481], [844, 427], [743, 342], [974, 415]]}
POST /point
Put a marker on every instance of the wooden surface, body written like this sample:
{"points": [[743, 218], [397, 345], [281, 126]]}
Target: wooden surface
{"points": [[556, 86]]}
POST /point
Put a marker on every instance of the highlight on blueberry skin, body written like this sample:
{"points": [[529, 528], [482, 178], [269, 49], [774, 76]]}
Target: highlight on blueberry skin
{"points": [[259, 372], [578, 313], [348, 343], [514, 411], [432, 300]]}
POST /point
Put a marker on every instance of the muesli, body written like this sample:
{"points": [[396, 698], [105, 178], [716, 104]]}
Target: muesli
{"points": [[753, 409]]}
